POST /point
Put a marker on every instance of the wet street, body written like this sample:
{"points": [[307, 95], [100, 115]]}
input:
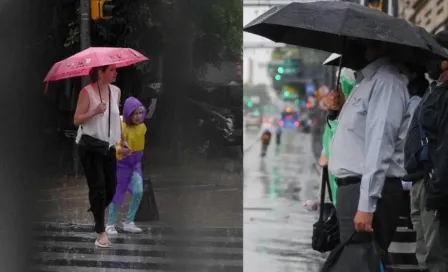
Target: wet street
{"points": [[277, 229]]}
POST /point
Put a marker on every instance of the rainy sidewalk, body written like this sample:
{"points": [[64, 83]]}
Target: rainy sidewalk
{"points": [[200, 226], [207, 196]]}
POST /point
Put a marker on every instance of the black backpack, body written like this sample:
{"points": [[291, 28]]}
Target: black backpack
{"points": [[416, 147]]}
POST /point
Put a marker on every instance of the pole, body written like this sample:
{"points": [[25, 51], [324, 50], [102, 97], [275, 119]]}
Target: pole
{"points": [[84, 10], [84, 30]]}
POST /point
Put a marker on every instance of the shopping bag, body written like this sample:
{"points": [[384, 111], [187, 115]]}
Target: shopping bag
{"points": [[148, 210], [353, 256]]}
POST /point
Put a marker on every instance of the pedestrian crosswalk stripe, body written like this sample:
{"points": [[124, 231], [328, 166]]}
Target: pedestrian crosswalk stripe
{"points": [[72, 249]]}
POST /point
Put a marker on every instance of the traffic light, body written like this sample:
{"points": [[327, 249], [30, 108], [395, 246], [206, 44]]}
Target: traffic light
{"points": [[285, 93], [101, 9], [281, 70], [278, 77], [250, 104]]}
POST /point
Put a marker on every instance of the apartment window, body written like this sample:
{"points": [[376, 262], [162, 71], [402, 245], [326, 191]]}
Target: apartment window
{"points": [[440, 10], [428, 22], [439, 2], [428, 13]]}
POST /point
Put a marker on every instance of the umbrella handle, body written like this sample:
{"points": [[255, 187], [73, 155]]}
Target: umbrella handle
{"points": [[333, 114]]}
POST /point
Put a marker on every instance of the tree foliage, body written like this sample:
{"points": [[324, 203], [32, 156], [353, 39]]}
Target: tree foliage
{"points": [[143, 25]]}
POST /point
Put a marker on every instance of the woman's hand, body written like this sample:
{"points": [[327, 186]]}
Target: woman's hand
{"points": [[323, 161], [101, 108], [125, 151]]}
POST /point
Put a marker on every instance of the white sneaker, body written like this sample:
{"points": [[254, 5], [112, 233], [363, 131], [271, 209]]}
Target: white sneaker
{"points": [[110, 229], [131, 227]]}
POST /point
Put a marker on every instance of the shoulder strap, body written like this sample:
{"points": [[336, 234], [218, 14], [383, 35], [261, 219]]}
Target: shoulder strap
{"points": [[110, 98], [88, 94], [325, 182], [101, 100], [423, 139]]}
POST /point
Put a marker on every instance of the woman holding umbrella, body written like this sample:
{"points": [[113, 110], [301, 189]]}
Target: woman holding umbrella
{"points": [[98, 118]]}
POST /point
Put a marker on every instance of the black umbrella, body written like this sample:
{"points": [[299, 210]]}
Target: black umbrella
{"points": [[432, 42], [329, 25]]}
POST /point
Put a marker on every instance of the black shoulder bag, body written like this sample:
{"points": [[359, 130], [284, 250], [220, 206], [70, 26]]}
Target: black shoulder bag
{"points": [[94, 144], [326, 229]]}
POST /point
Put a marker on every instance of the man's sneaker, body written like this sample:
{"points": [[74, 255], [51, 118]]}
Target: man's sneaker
{"points": [[110, 229], [131, 227]]}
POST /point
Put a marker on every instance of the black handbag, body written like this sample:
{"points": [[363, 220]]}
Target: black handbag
{"points": [[351, 256], [94, 144], [326, 229]]}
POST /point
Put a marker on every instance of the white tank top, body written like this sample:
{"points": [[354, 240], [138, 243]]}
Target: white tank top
{"points": [[98, 125]]}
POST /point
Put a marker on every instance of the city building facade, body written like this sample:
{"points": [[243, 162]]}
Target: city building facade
{"points": [[431, 15]]}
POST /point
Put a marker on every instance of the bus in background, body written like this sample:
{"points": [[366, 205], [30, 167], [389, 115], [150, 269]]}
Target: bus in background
{"points": [[289, 118]]}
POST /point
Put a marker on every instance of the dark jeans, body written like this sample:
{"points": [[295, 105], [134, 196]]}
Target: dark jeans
{"points": [[101, 174], [385, 218]]}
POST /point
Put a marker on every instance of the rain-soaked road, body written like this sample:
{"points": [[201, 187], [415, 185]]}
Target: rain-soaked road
{"points": [[277, 229]]}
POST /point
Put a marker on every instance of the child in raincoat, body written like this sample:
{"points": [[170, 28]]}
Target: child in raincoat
{"points": [[347, 82], [129, 171]]}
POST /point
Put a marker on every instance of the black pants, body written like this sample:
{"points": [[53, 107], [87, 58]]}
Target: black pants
{"points": [[101, 174], [385, 218]]}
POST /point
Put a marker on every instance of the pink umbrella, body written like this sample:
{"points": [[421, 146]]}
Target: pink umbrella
{"points": [[81, 63]]}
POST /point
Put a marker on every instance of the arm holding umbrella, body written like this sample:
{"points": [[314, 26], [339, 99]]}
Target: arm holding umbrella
{"points": [[82, 113]]}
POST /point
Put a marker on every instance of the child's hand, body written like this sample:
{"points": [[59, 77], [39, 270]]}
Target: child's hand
{"points": [[125, 151], [124, 144]]}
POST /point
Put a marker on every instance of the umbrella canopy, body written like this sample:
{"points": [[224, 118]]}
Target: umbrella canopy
{"points": [[81, 63], [329, 25], [433, 42]]}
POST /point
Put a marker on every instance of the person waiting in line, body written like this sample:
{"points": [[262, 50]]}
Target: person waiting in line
{"points": [[417, 88], [429, 217], [345, 86], [368, 147]]}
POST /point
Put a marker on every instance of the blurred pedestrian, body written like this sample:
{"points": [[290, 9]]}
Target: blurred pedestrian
{"points": [[278, 135], [367, 150], [265, 141]]}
